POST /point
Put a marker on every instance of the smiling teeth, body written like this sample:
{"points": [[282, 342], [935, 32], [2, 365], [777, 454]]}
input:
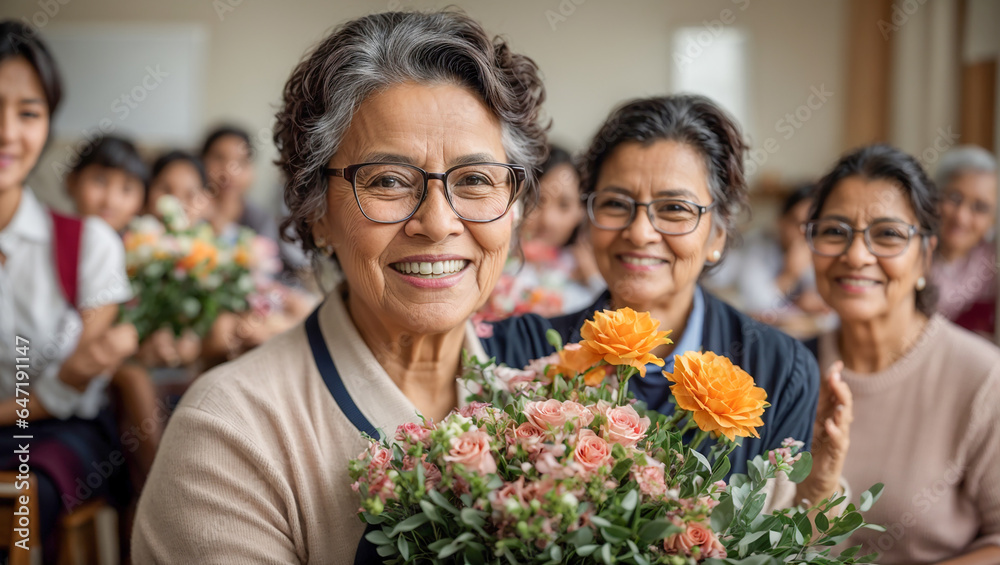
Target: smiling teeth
{"points": [[431, 269], [858, 282], [642, 261]]}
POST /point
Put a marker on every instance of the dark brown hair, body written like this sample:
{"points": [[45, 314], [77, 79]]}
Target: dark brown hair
{"points": [[693, 120], [884, 162]]}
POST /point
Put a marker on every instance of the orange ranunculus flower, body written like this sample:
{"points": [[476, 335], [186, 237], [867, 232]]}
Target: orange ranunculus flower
{"points": [[202, 254], [621, 337], [721, 395]]}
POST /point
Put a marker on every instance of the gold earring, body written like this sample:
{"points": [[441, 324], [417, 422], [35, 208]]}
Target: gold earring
{"points": [[921, 283]]}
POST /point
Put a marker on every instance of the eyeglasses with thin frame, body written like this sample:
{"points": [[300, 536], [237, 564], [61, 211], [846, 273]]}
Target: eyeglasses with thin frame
{"points": [[389, 193], [669, 216], [886, 238]]}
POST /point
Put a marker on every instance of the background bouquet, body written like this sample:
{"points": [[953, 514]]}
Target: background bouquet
{"points": [[554, 463], [182, 276]]}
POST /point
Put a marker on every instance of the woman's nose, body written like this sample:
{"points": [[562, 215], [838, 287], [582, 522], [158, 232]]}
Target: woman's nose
{"points": [[435, 219], [857, 253], [641, 231]]}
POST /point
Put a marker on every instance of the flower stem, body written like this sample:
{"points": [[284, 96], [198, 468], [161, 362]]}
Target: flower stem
{"points": [[625, 372], [698, 438]]}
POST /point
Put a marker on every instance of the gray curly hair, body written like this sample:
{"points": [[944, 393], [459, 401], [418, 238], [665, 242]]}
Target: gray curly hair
{"points": [[375, 52]]}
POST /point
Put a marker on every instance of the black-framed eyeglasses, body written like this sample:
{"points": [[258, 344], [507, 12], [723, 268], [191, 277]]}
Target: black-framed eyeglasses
{"points": [[669, 216], [389, 193], [887, 238]]}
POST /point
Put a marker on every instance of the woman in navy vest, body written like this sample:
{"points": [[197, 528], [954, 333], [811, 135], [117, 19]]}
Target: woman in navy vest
{"points": [[663, 182]]}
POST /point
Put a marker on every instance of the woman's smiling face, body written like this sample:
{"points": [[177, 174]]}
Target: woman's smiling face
{"points": [[642, 266], [434, 127], [858, 285]]}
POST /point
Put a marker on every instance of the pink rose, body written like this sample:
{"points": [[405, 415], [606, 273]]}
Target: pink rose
{"points": [[380, 457], [591, 452], [697, 538], [475, 410], [624, 426], [553, 415], [528, 436], [472, 450], [412, 433]]}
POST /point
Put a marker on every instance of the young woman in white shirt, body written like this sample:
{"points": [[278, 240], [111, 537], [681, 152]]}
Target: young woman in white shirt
{"points": [[63, 347]]}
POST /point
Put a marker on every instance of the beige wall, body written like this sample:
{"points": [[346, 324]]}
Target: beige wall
{"points": [[602, 53]]}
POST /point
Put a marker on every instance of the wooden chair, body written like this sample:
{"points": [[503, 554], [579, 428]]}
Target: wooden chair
{"points": [[9, 496], [86, 536]]}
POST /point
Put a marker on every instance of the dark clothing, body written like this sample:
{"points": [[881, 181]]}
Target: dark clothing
{"points": [[779, 364]]}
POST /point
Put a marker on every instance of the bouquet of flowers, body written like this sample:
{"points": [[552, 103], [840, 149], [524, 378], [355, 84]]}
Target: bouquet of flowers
{"points": [[555, 463], [182, 276]]}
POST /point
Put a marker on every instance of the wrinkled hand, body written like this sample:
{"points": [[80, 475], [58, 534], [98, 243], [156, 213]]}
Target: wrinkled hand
{"points": [[831, 436]]}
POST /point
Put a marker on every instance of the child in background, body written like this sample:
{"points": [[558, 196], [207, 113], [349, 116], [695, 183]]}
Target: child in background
{"points": [[61, 282], [109, 181], [228, 155], [558, 273]]}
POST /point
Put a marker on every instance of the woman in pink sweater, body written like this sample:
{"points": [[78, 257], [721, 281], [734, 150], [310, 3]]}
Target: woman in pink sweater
{"points": [[926, 393]]}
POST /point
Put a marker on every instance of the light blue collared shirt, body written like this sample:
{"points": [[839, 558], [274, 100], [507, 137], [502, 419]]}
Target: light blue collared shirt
{"points": [[654, 389]]}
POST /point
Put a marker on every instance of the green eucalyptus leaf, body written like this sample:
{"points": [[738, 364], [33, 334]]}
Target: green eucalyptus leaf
{"points": [[409, 524], [723, 514], [378, 537], [801, 468]]}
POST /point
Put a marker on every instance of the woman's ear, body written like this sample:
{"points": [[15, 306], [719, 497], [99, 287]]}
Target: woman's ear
{"points": [[716, 244]]}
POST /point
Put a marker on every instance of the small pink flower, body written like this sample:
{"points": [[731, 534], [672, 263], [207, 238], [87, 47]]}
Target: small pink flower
{"points": [[538, 365], [528, 436], [380, 457], [432, 476], [484, 330], [651, 478], [547, 460], [624, 426], [472, 450], [475, 410], [591, 452], [412, 433], [510, 378], [553, 415], [696, 538]]}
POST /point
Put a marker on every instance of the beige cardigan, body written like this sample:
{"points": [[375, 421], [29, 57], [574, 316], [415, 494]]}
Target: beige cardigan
{"points": [[253, 465]]}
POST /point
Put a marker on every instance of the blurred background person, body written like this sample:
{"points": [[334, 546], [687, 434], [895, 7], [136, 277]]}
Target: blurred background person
{"points": [[555, 272], [965, 262], [664, 182], [925, 393], [772, 272], [109, 181], [61, 282]]}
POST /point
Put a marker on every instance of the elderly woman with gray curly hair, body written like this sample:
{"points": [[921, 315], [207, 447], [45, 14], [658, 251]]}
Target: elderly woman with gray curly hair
{"points": [[407, 140]]}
